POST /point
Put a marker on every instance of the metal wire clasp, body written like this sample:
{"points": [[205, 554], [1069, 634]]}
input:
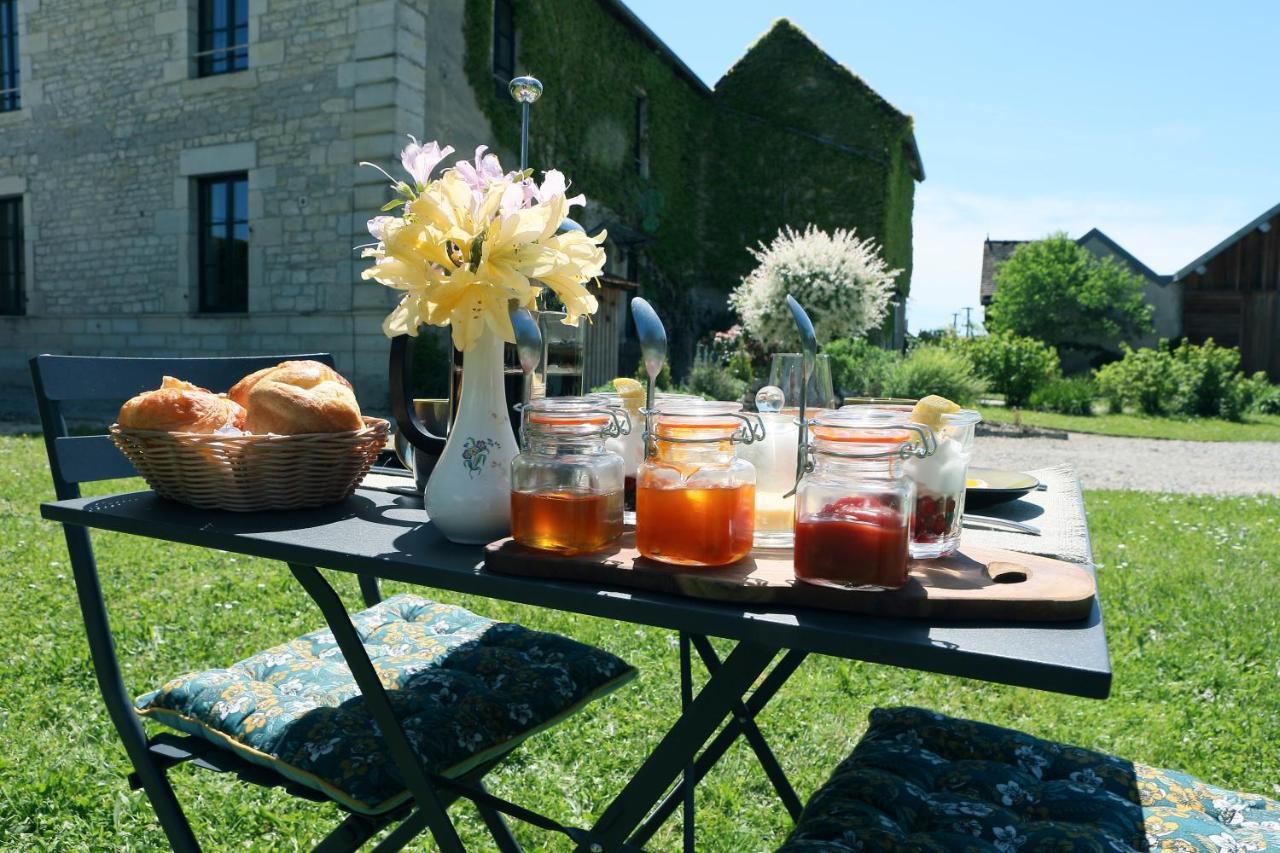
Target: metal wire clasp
{"points": [[927, 445], [751, 431]]}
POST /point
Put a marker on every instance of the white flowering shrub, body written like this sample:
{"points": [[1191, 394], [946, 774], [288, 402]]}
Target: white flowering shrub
{"points": [[841, 281]]}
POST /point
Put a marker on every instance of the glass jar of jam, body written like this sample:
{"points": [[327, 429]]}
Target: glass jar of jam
{"points": [[695, 499], [941, 479], [566, 486], [854, 503]]}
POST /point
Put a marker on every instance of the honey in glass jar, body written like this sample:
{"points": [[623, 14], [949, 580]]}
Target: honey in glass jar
{"points": [[566, 487]]}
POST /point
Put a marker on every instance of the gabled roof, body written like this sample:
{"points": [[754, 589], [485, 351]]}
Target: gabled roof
{"points": [[1225, 244], [784, 32], [1115, 247], [620, 11], [994, 252]]}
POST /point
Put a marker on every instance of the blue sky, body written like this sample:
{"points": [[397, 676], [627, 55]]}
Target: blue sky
{"points": [[1157, 122]]}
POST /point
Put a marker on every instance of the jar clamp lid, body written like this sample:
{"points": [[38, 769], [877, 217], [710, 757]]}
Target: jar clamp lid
{"points": [[573, 417]]}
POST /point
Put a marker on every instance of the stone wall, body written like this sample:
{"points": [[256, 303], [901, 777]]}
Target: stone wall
{"points": [[114, 129]]}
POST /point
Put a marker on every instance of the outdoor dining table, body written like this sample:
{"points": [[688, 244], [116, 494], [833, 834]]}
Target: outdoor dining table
{"points": [[380, 533]]}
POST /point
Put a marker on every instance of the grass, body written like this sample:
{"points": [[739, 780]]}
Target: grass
{"points": [[1189, 586], [1253, 428]]}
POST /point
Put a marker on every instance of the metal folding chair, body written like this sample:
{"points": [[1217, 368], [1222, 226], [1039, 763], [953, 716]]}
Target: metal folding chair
{"points": [[61, 380]]}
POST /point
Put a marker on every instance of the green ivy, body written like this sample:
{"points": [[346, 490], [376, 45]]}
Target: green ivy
{"points": [[788, 137]]}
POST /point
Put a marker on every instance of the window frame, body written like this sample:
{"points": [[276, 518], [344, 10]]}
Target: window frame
{"points": [[207, 286], [640, 142], [504, 12], [10, 66], [210, 60], [13, 302]]}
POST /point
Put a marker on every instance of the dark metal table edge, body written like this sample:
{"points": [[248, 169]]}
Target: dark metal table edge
{"points": [[654, 609]]}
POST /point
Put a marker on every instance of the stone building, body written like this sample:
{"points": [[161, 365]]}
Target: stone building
{"points": [[180, 177]]}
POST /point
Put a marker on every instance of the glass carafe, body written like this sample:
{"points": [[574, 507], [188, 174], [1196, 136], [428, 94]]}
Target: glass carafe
{"points": [[566, 485], [695, 498]]}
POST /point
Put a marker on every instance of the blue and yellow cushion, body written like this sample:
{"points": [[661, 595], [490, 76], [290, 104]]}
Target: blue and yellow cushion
{"points": [[922, 781], [465, 688]]}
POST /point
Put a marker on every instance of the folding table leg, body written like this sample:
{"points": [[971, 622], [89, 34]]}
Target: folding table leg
{"points": [[696, 724], [431, 811], [686, 697], [369, 590], [106, 667], [715, 750], [744, 722]]}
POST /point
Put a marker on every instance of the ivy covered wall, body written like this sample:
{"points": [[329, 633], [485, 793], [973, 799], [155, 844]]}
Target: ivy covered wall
{"points": [[787, 137]]}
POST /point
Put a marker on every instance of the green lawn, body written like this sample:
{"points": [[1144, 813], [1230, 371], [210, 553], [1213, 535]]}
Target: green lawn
{"points": [[1254, 427], [1189, 588]]}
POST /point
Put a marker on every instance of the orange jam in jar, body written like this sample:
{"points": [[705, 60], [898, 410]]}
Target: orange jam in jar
{"points": [[566, 522], [699, 527], [695, 499], [566, 487]]}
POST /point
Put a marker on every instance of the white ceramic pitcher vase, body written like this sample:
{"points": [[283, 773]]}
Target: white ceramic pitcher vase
{"points": [[468, 496]]}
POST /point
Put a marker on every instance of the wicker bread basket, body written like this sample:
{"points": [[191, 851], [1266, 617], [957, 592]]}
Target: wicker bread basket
{"points": [[246, 473]]}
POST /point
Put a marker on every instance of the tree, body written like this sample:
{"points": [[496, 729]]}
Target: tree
{"points": [[1057, 292]]}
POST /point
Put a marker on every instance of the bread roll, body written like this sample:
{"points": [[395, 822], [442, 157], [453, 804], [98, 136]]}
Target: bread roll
{"points": [[303, 374], [284, 409], [178, 406]]}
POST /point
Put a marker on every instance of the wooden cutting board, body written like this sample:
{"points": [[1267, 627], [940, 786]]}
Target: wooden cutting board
{"points": [[975, 583]]}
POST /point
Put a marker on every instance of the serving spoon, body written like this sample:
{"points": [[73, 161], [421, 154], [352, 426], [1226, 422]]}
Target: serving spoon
{"points": [[528, 347], [809, 348], [653, 351]]}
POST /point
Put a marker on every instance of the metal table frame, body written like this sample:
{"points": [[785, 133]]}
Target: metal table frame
{"points": [[379, 535]]}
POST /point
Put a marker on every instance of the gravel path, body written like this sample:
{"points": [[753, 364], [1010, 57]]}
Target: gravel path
{"points": [[1108, 462]]}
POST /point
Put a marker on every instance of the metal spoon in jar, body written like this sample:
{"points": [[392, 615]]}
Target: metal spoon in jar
{"points": [[528, 347], [809, 347], [653, 350]]}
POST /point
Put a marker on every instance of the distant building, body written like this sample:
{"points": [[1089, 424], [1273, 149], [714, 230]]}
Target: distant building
{"points": [[1232, 294], [180, 177], [1159, 291]]}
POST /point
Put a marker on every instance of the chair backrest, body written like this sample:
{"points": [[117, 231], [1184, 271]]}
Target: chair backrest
{"points": [[70, 379]]}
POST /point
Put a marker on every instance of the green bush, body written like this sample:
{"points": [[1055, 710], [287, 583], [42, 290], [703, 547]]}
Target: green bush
{"points": [[714, 382], [740, 366], [859, 368], [1072, 396], [1011, 365], [664, 382], [1195, 380], [1209, 381], [1264, 398], [1145, 378], [935, 370]]}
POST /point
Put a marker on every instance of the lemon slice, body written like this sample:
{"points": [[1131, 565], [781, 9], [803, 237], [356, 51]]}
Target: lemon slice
{"points": [[631, 392], [930, 411]]}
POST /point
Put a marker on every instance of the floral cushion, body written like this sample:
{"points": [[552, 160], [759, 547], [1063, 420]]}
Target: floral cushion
{"points": [[921, 781], [465, 688]]}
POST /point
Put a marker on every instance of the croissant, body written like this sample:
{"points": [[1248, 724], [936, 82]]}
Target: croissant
{"points": [[178, 406], [303, 374], [284, 409]]}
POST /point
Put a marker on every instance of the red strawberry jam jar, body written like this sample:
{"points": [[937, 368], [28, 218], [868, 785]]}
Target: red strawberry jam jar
{"points": [[854, 503]]}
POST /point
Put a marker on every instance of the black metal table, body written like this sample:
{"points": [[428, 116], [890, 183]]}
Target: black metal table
{"points": [[381, 535]]}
